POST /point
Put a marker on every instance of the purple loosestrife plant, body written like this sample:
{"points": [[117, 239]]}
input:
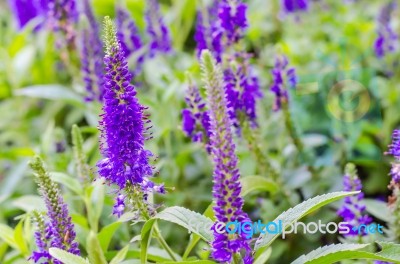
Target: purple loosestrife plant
{"points": [[353, 210], [283, 77], [91, 54], [387, 39], [228, 202], [160, 40], [60, 232], [123, 129], [195, 118], [128, 35]]}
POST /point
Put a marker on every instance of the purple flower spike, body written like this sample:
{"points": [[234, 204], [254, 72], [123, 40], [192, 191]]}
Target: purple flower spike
{"points": [[91, 54], [387, 39], [394, 150], [242, 91], [232, 16], [226, 190], [123, 126], [62, 18], [293, 6], [158, 32], [128, 34], [353, 211], [59, 231], [195, 118], [282, 78]]}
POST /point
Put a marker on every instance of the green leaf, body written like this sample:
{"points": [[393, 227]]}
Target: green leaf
{"points": [[66, 257], [146, 233], [257, 183], [192, 221], [299, 211], [263, 256], [7, 234], [378, 209], [107, 233], [52, 92], [29, 203], [338, 252], [68, 181], [96, 254], [19, 238], [121, 255]]}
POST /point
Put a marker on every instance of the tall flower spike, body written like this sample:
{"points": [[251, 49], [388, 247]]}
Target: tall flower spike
{"points": [[387, 39], [293, 6], [195, 118], [91, 53], [353, 211], [226, 190], [394, 150], [128, 34], [160, 40], [61, 230], [232, 16], [62, 18], [208, 33], [123, 124], [282, 79], [242, 90], [42, 238]]}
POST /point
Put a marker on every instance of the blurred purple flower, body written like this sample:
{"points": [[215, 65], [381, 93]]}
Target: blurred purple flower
{"points": [[233, 21], [394, 150], [293, 6], [387, 39], [91, 55], [353, 211], [160, 40], [119, 205], [195, 118], [228, 202], [282, 79], [62, 17], [26, 10]]}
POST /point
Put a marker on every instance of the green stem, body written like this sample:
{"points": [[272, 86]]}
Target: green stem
{"points": [[296, 139], [163, 243]]}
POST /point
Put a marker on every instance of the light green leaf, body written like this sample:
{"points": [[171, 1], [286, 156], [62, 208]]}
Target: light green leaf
{"points": [[107, 233], [7, 234], [257, 183], [146, 233], [192, 221], [66, 257], [299, 211], [338, 252], [68, 181], [263, 256], [378, 209], [96, 254], [19, 238], [29, 203], [120, 255], [52, 92]]}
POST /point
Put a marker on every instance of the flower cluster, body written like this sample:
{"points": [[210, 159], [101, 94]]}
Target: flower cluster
{"points": [[123, 124], [283, 77], [58, 231], [293, 6], [394, 150], [228, 202], [91, 54], [233, 20], [387, 39], [63, 15], [160, 40], [195, 118], [128, 33], [353, 211], [242, 91]]}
